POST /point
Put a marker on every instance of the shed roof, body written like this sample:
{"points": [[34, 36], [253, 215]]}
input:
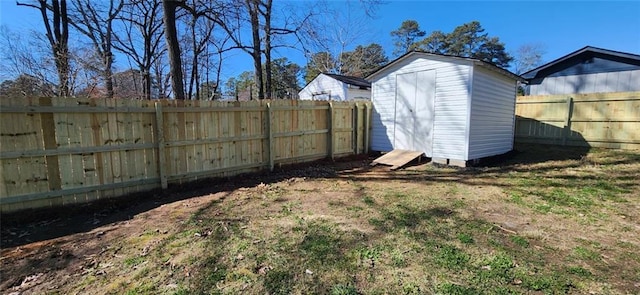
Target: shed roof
{"points": [[582, 54], [355, 81], [475, 61]]}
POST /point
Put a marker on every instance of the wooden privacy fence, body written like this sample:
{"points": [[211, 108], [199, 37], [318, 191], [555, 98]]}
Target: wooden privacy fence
{"points": [[610, 120], [57, 151]]}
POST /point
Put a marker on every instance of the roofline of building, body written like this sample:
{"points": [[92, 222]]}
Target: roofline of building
{"points": [[358, 79], [473, 60], [330, 74], [602, 51]]}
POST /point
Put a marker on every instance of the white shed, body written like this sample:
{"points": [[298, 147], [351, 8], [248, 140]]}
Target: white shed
{"points": [[454, 109], [336, 87]]}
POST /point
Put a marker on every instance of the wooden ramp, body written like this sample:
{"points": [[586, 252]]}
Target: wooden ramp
{"points": [[397, 158]]}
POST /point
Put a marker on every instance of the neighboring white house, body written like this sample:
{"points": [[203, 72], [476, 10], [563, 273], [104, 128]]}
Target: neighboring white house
{"points": [[587, 70], [336, 87], [453, 109]]}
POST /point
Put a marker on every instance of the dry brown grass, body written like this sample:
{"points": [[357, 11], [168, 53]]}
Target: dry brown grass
{"points": [[546, 220]]}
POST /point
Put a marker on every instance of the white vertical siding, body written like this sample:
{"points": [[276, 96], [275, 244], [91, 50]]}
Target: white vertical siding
{"points": [[492, 114], [324, 84], [451, 104], [622, 81], [451, 98], [382, 120]]}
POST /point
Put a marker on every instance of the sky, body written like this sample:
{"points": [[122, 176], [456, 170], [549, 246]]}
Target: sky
{"points": [[561, 27]]}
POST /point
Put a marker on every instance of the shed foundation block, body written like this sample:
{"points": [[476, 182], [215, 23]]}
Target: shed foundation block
{"points": [[440, 161], [450, 162], [458, 163]]}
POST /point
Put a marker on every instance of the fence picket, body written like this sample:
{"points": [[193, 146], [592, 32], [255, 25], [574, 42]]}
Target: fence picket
{"points": [[609, 120], [78, 150]]}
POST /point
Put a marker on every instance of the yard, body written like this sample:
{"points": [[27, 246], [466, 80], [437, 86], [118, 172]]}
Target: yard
{"points": [[545, 220]]}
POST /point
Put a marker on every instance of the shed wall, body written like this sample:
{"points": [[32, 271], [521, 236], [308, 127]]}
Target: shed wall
{"points": [[622, 81], [451, 105], [334, 89], [354, 93], [492, 114], [451, 97], [383, 115]]}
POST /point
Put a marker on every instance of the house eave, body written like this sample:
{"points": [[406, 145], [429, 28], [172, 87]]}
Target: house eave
{"points": [[586, 51]]}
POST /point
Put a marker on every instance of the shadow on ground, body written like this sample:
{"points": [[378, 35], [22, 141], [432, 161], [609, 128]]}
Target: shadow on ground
{"points": [[39, 225], [29, 226]]}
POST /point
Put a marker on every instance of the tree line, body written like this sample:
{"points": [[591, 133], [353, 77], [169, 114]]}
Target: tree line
{"points": [[176, 48]]}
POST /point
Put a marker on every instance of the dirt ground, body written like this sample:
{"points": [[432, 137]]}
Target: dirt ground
{"points": [[50, 251], [43, 250]]}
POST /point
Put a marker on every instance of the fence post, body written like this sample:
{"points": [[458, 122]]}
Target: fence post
{"points": [[360, 123], [367, 126], [354, 127], [567, 122], [330, 138], [161, 153], [272, 155], [48, 126]]}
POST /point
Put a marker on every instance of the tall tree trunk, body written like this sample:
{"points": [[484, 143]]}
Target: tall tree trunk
{"points": [[61, 48], [267, 47], [62, 63], [108, 62], [58, 38], [194, 62], [145, 69], [146, 81], [108, 54], [252, 6], [173, 47], [108, 81], [218, 72]]}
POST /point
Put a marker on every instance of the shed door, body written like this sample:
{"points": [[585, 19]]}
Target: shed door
{"points": [[415, 95]]}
